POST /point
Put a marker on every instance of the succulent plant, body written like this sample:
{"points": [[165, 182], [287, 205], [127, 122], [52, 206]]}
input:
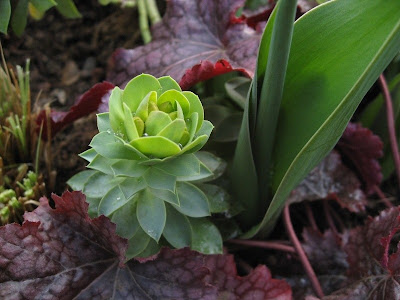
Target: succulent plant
{"points": [[145, 165], [158, 122]]}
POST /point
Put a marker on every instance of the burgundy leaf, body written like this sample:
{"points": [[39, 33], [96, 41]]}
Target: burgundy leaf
{"points": [[259, 17], [56, 253], [304, 6], [87, 103], [196, 40], [374, 271], [257, 285], [331, 180], [363, 149], [63, 254]]}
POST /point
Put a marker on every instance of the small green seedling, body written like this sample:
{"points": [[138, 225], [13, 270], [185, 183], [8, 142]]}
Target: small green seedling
{"points": [[145, 165]]}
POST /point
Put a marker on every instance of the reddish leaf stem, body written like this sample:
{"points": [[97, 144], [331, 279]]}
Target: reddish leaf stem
{"points": [[391, 125], [329, 218], [382, 196], [266, 245], [302, 255], [338, 219], [310, 216]]}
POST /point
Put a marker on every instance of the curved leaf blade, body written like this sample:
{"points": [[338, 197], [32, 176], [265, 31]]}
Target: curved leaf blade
{"points": [[338, 51], [151, 214]]}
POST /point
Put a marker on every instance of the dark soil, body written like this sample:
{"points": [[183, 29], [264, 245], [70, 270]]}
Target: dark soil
{"points": [[68, 56]]}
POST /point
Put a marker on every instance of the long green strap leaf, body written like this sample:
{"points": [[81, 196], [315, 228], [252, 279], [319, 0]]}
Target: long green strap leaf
{"points": [[244, 172], [338, 51], [244, 175], [271, 94]]}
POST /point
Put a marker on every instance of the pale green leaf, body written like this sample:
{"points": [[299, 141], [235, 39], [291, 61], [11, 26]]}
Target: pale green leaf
{"points": [[168, 83], [156, 121], [129, 125], [116, 115], [110, 146], [111, 201], [174, 130], [99, 184], [172, 96], [205, 236], [193, 202], [138, 88], [218, 198], [130, 168], [102, 164], [193, 122], [77, 181], [93, 205], [214, 163], [157, 146], [151, 214], [177, 229], [143, 108], [196, 145], [137, 244], [126, 220], [88, 155], [165, 195], [130, 186], [204, 175], [157, 179], [184, 165], [195, 106]]}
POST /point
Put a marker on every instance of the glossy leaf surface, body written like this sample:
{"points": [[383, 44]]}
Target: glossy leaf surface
{"points": [[322, 91]]}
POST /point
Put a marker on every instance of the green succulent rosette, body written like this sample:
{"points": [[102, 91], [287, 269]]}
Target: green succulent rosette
{"points": [[147, 173]]}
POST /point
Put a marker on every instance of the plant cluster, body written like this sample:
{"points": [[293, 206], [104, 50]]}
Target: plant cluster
{"points": [[22, 196], [21, 184], [146, 160]]}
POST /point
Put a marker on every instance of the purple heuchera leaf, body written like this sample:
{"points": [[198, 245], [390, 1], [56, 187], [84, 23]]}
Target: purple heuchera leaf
{"points": [[257, 285], [87, 103], [363, 149], [374, 268], [196, 40], [63, 254], [331, 180], [57, 252]]}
